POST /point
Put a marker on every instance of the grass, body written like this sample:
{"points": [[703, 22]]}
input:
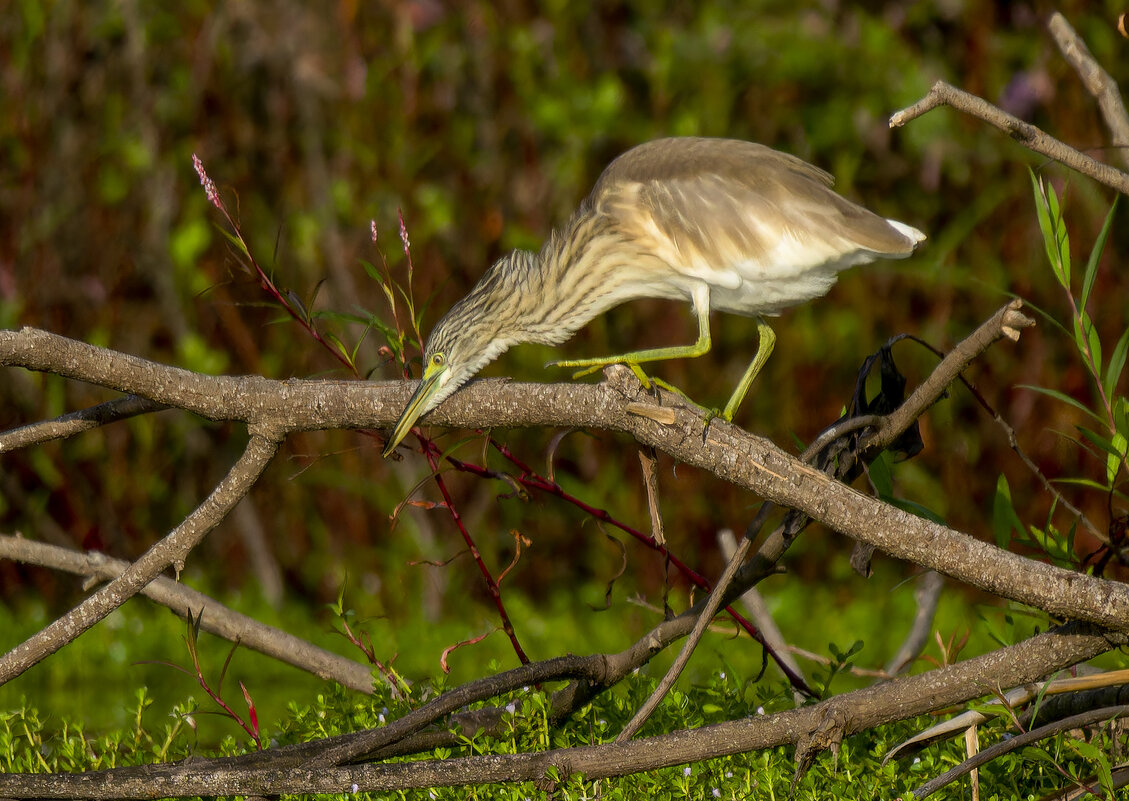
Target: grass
{"points": [[93, 706], [28, 744]]}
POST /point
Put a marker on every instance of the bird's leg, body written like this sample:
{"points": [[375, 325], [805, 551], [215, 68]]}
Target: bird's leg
{"points": [[766, 341], [635, 358]]}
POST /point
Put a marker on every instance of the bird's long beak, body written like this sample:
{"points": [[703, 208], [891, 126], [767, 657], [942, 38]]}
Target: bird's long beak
{"points": [[428, 386]]}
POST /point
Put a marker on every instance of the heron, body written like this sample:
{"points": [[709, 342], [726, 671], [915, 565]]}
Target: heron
{"points": [[728, 225]]}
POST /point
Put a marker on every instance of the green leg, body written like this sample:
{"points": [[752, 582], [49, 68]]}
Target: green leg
{"points": [[635, 358], [766, 342]]}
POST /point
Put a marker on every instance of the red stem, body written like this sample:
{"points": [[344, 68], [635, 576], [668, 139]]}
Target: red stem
{"points": [[495, 592]]}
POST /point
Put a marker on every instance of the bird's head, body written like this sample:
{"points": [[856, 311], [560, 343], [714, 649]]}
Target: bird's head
{"points": [[471, 335]]}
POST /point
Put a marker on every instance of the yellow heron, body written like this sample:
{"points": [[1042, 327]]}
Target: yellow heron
{"points": [[726, 224]]}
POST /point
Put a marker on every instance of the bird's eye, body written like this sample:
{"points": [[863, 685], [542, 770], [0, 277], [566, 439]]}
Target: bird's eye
{"points": [[438, 360]]}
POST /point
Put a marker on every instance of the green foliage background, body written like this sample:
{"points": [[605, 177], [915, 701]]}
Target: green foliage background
{"points": [[485, 123]]}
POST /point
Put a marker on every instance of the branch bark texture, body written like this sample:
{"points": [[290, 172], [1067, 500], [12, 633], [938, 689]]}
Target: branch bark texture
{"points": [[727, 451]]}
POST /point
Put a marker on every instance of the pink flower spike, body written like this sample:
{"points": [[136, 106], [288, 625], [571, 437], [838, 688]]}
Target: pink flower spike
{"points": [[372, 225], [404, 233], [208, 184]]}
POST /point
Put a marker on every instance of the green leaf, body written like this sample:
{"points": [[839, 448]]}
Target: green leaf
{"points": [[1042, 212], [334, 340], [881, 475], [1089, 483], [235, 240], [1086, 750], [916, 509], [298, 306], [1087, 342], [1095, 343], [1121, 415], [1061, 396], [1055, 239], [406, 295], [1039, 755], [1004, 518], [1096, 255], [1116, 458], [1116, 365], [372, 271], [1053, 545], [1100, 440]]}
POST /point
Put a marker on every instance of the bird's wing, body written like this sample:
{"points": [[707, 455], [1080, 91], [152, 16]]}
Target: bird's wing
{"points": [[728, 211]]}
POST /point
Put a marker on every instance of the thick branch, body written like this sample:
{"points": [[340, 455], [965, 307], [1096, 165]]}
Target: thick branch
{"points": [[728, 452]]}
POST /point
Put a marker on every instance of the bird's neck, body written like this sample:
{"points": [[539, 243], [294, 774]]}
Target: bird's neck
{"points": [[581, 271]]}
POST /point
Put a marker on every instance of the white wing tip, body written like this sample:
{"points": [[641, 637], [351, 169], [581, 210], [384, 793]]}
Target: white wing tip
{"points": [[907, 231]]}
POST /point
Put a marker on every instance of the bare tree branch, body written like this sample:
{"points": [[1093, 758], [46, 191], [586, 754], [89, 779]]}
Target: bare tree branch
{"points": [[287, 769], [927, 595], [169, 551], [728, 452], [944, 94], [215, 618], [77, 422], [1097, 81], [1005, 323], [1019, 741]]}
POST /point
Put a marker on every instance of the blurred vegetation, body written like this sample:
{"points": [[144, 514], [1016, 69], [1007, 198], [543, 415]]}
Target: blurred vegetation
{"points": [[485, 123]]}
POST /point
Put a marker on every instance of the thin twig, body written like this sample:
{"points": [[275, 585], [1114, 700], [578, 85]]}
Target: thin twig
{"points": [[170, 551], [927, 595], [215, 618], [944, 94], [1007, 322], [759, 612], [1018, 741], [73, 423], [1097, 81], [491, 583]]}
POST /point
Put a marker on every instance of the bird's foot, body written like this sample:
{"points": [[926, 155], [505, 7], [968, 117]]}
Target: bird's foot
{"points": [[712, 414], [594, 366], [708, 413]]}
